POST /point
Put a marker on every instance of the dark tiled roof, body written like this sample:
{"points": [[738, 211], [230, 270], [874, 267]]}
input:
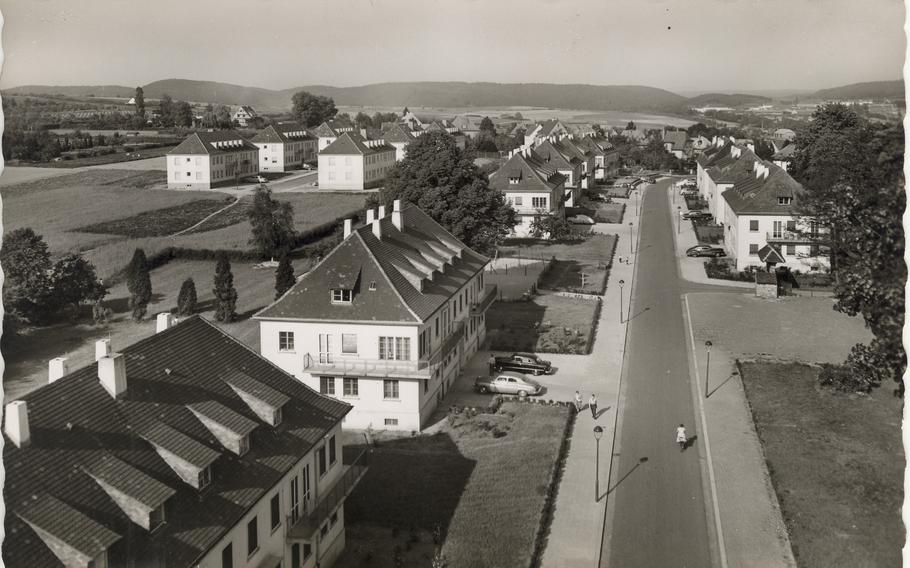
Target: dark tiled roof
{"points": [[242, 381], [397, 132], [534, 175], [163, 436], [392, 264], [281, 134], [129, 481], [785, 153], [349, 143], [205, 143], [556, 155], [753, 193], [223, 415], [332, 128], [677, 138], [50, 515], [76, 426]]}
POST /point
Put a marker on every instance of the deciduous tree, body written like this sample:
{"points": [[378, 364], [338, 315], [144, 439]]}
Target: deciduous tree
{"points": [[74, 281], [284, 276], [312, 110], [183, 114], [166, 110], [186, 298], [26, 265], [224, 291], [486, 125], [139, 284], [272, 224], [550, 226]]}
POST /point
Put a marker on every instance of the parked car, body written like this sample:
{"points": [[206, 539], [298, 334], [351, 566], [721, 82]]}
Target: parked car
{"points": [[696, 215], [508, 383], [580, 220], [600, 197], [261, 179], [523, 363], [705, 250], [307, 167]]}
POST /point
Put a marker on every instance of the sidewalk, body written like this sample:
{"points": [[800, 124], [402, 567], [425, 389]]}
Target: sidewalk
{"points": [[577, 528]]}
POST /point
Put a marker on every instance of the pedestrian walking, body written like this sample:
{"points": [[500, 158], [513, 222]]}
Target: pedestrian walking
{"points": [[492, 363], [592, 402], [578, 403]]}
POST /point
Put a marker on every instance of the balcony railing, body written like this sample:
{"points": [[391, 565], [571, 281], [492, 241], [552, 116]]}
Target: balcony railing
{"points": [[490, 291], [796, 237], [305, 525]]}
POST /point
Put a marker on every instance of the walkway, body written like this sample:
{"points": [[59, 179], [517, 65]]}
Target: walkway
{"points": [[220, 211]]}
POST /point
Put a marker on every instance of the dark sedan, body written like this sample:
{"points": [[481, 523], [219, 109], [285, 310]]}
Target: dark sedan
{"points": [[705, 250]]}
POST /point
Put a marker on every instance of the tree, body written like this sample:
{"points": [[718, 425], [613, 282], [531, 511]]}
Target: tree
{"points": [[139, 284], [166, 110], [445, 183], [74, 281], [631, 126], [272, 224], [598, 130], [485, 143], [139, 99], [486, 125], [284, 276], [183, 114], [225, 294], [222, 117], [363, 120], [550, 226], [26, 265], [186, 298], [312, 110], [852, 171]]}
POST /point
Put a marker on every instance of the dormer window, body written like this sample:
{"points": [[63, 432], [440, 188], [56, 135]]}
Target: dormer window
{"points": [[514, 180], [342, 296], [276, 417], [372, 285], [156, 518], [244, 444], [205, 477], [784, 200]]}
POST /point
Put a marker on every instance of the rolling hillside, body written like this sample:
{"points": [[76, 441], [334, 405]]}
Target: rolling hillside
{"points": [[734, 100], [73, 91], [871, 90]]}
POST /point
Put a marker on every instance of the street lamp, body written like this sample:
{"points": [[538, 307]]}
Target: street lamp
{"points": [[707, 366], [621, 282], [630, 238], [598, 432]]}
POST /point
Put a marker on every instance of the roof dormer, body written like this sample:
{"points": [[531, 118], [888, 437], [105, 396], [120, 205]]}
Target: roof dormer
{"points": [[141, 498], [190, 460], [230, 428], [263, 400]]}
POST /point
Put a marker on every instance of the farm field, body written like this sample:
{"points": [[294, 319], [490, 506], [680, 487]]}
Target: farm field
{"points": [[21, 174], [463, 481]]}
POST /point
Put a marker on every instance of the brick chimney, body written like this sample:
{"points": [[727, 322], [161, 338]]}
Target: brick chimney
{"points": [[396, 215], [112, 374], [102, 348], [15, 423], [57, 368]]}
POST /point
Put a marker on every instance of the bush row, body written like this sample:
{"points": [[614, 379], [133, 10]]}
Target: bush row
{"points": [[720, 269], [546, 518]]}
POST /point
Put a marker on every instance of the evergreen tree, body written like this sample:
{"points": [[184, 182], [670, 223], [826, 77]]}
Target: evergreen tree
{"points": [[139, 99], [139, 284], [284, 276], [224, 291], [186, 299], [272, 224]]}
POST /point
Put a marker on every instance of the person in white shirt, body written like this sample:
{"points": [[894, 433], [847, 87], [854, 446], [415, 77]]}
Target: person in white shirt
{"points": [[681, 438]]}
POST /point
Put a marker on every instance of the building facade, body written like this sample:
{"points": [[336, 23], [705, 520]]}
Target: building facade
{"points": [[243, 115], [211, 159], [284, 147], [532, 187], [353, 162]]}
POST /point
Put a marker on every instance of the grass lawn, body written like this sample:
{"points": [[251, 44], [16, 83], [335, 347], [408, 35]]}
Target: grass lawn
{"points": [[160, 222], [836, 462], [592, 256], [516, 280], [709, 234], [546, 324], [486, 494], [114, 158], [615, 191]]}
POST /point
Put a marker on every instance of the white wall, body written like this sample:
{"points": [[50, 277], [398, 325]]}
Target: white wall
{"points": [[341, 172], [189, 171]]}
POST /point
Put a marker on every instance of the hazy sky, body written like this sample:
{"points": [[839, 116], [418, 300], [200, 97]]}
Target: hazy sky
{"points": [[680, 45]]}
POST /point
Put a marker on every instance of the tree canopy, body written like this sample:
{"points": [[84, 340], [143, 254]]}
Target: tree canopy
{"points": [[272, 224], [139, 99], [26, 264], [224, 291], [186, 298], [486, 125], [284, 276], [443, 181], [312, 110], [139, 284]]}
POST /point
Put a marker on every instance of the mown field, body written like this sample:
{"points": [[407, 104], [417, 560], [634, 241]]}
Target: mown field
{"points": [[486, 494]]}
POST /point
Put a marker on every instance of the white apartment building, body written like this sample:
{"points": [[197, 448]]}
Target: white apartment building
{"points": [[284, 147], [184, 449], [210, 159], [386, 321], [531, 186], [329, 131], [353, 162]]}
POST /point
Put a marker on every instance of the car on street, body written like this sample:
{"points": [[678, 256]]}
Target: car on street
{"points": [[523, 363], [508, 382], [696, 215], [307, 167], [705, 250], [580, 220]]}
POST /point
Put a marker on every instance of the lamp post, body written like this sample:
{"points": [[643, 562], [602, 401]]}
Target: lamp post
{"points": [[630, 238], [598, 432], [621, 282], [707, 366], [678, 217]]}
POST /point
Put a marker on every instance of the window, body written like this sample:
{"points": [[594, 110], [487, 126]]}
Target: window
{"points": [[176, 161], [324, 530], [339, 296], [347, 160], [349, 343], [205, 477], [437, 326], [332, 451], [778, 230], [320, 463], [331, 161], [334, 518], [156, 518], [327, 385], [391, 422], [518, 200], [791, 226], [325, 348], [252, 536], [295, 499], [372, 285], [332, 176], [276, 511], [791, 250], [307, 550], [784, 200], [350, 387], [753, 249], [347, 176], [753, 226], [295, 555], [514, 180], [198, 176], [395, 348], [285, 340], [244, 444], [227, 556], [189, 174], [539, 202], [276, 417], [390, 389]]}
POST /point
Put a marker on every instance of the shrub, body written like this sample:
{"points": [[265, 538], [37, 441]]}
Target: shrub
{"points": [[844, 378]]}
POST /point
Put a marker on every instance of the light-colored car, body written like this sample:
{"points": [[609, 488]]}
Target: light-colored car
{"points": [[580, 220], [261, 179], [508, 382]]}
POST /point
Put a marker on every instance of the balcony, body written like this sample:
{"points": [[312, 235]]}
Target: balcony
{"points": [[304, 527], [490, 291], [795, 238]]}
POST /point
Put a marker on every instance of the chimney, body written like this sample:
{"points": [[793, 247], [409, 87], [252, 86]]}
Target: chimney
{"points": [[112, 374], [371, 214], [381, 214], [102, 348], [15, 423], [57, 369], [164, 321], [363, 132], [377, 229], [396, 215], [347, 228]]}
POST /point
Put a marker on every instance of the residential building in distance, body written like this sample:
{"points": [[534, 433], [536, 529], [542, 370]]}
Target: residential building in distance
{"points": [[210, 159], [563, 157], [243, 115], [183, 449], [784, 156], [469, 124], [284, 147], [386, 321], [699, 144], [757, 202], [413, 121], [541, 131], [606, 158], [531, 186], [399, 136], [328, 132], [784, 134], [353, 162], [675, 142], [449, 128]]}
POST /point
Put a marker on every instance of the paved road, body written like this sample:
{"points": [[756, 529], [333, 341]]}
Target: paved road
{"points": [[656, 509]]}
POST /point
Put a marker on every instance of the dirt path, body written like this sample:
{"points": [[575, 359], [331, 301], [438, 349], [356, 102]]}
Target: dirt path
{"points": [[220, 211]]}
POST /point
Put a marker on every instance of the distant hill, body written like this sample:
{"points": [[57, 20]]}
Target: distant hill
{"points": [[870, 90], [214, 92], [73, 91], [734, 100]]}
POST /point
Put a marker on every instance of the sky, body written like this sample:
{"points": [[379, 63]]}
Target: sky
{"points": [[678, 45]]}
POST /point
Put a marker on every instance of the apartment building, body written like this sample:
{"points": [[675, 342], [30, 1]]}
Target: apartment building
{"points": [[560, 155], [183, 449], [330, 130], [386, 321], [284, 147], [210, 159], [606, 158], [353, 162], [531, 186], [399, 136], [756, 201]]}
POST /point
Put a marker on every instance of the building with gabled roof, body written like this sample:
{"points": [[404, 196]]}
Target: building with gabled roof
{"points": [[386, 321], [184, 449], [606, 158], [675, 142], [328, 131], [531, 186], [544, 130], [568, 160], [399, 136], [210, 159], [243, 115], [469, 124], [354, 162], [285, 146], [784, 156]]}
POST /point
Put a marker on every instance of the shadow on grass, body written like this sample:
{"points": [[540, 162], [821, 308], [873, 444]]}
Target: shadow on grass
{"points": [[122, 305]]}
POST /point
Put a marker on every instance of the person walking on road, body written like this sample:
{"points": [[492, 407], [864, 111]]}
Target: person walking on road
{"points": [[681, 438], [578, 403], [492, 363], [592, 402]]}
